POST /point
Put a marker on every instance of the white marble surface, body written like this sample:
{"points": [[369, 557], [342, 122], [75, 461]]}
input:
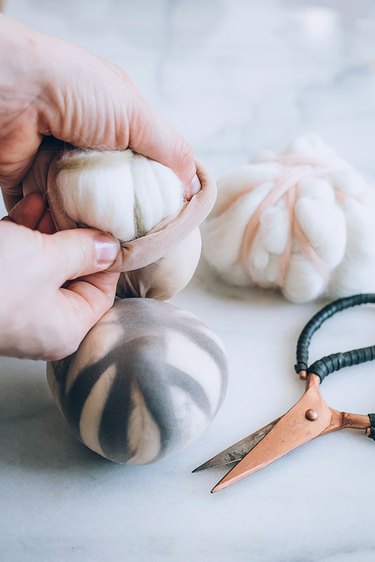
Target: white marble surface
{"points": [[235, 76]]}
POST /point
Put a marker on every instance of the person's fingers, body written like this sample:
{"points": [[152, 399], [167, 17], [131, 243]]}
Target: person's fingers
{"points": [[93, 289], [29, 211], [18, 150], [46, 224], [82, 251], [151, 136], [32, 213], [11, 197], [81, 306]]}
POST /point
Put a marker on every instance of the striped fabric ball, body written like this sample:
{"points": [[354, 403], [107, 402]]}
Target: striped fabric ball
{"points": [[144, 383]]}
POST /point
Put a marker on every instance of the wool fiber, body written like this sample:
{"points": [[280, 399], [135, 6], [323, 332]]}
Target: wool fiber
{"points": [[302, 221]]}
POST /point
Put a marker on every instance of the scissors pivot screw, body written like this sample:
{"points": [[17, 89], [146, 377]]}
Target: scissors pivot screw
{"points": [[291, 430], [311, 414]]}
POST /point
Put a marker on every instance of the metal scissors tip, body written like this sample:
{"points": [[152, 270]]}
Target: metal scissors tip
{"points": [[310, 416], [236, 452]]}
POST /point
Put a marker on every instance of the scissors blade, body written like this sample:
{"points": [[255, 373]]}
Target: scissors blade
{"points": [[292, 430], [239, 450]]}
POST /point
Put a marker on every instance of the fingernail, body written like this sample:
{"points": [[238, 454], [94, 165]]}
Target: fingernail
{"points": [[195, 185], [106, 249]]}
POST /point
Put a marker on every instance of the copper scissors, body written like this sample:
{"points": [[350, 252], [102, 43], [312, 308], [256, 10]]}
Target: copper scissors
{"points": [[310, 417]]}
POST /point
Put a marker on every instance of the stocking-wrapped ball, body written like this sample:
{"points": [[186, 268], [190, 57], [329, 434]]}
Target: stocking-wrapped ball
{"points": [[138, 201], [302, 221], [144, 383], [117, 191]]}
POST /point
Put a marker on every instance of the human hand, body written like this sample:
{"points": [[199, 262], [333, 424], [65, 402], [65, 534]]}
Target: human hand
{"points": [[53, 288], [51, 87]]}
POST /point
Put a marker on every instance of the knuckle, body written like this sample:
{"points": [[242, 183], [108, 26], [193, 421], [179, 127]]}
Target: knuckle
{"points": [[77, 252], [85, 255], [185, 155]]}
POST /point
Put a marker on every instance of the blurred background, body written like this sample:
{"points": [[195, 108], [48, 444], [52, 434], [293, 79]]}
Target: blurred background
{"points": [[236, 76]]}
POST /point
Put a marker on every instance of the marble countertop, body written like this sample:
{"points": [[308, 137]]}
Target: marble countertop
{"points": [[234, 76]]}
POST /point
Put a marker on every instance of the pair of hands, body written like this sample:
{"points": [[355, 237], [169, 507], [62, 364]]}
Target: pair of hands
{"points": [[53, 285]]}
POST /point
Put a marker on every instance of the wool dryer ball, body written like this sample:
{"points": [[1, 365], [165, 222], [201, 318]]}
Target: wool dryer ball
{"points": [[302, 221], [144, 383], [138, 201], [119, 192]]}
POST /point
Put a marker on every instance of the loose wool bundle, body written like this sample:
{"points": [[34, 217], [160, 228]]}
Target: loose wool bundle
{"points": [[302, 221], [144, 383], [119, 192], [138, 201]]}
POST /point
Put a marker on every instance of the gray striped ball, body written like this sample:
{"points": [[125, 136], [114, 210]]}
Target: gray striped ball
{"points": [[145, 382]]}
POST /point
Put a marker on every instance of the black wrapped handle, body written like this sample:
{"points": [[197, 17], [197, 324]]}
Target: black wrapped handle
{"points": [[336, 361], [372, 426]]}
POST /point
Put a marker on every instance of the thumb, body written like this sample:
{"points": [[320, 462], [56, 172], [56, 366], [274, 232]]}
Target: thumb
{"points": [[78, 252]]}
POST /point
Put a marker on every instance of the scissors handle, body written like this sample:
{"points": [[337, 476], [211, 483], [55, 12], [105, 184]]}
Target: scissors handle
{"points": [[335, 361]]}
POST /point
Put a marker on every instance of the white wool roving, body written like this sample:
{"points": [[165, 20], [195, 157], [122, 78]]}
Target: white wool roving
{"points": [[302, 220], [119, 192]]}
